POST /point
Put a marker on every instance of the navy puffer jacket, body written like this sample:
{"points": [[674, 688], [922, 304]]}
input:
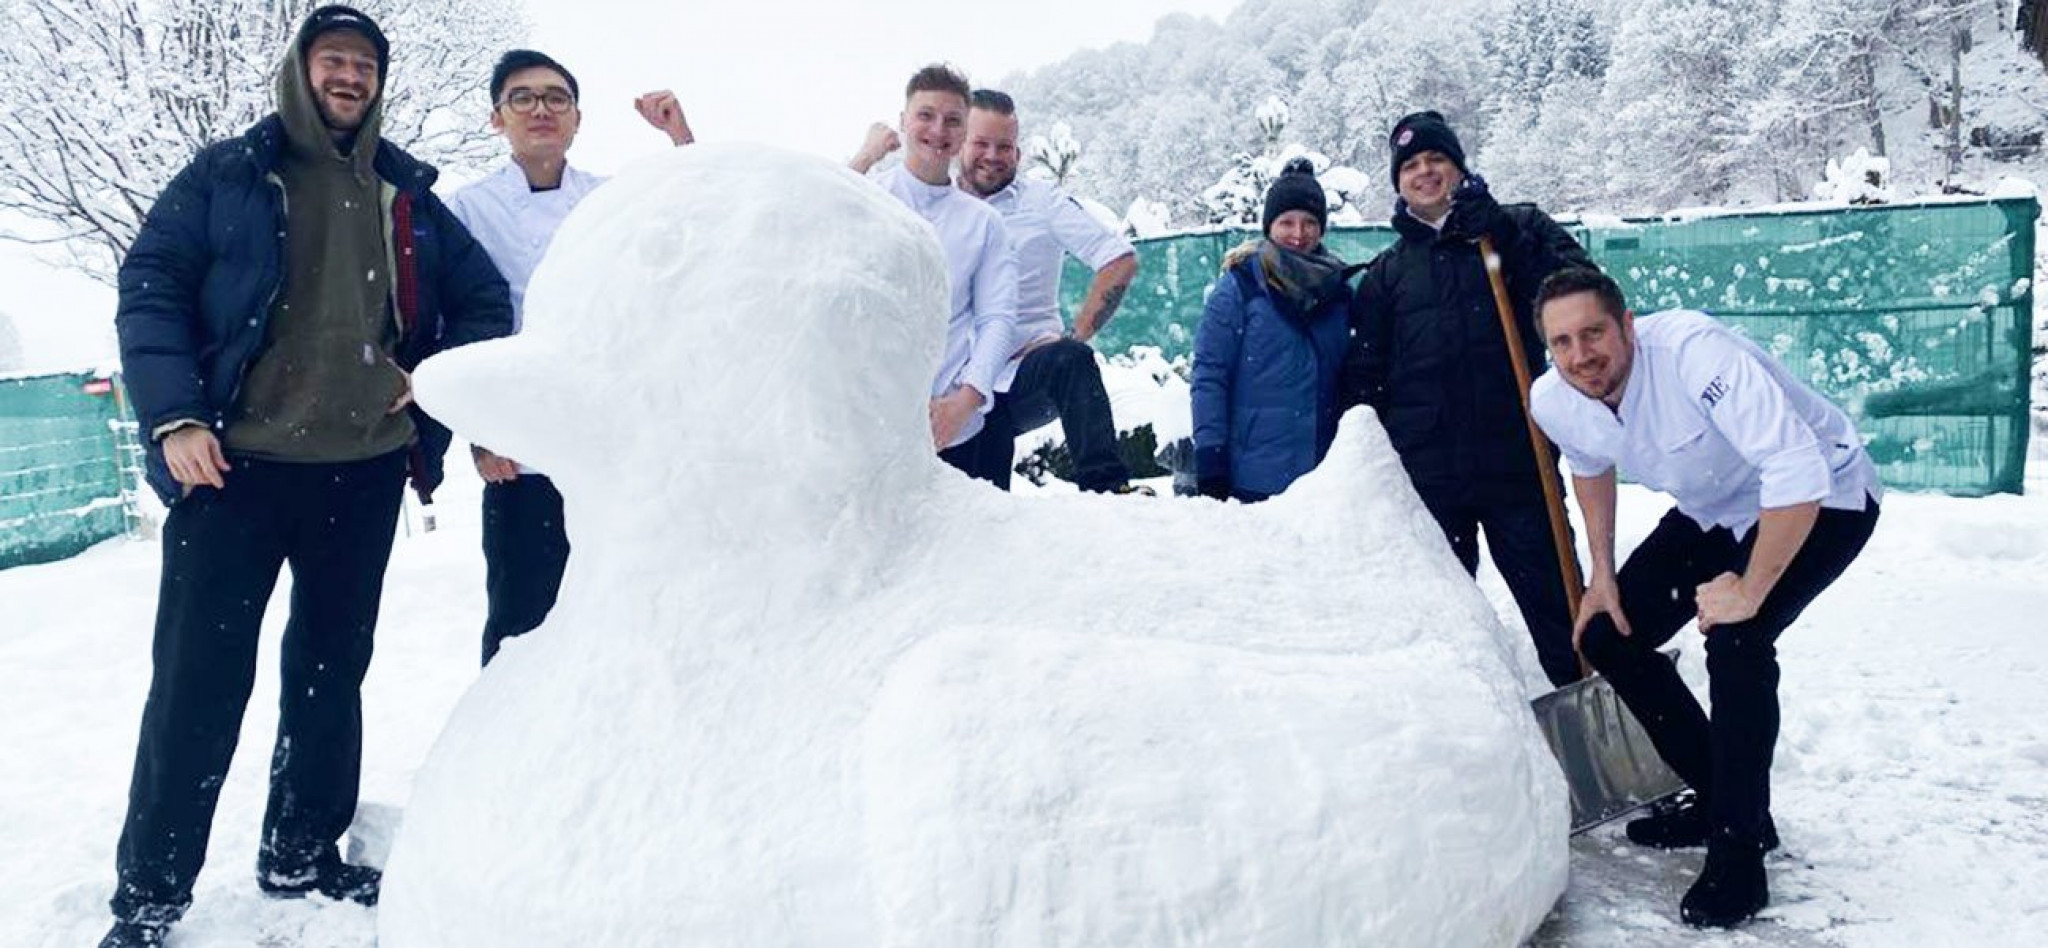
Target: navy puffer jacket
{"points": [[197, 286], [1265, 382]]}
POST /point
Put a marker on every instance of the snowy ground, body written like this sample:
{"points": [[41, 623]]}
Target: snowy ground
{"points": [[1912, 784]]}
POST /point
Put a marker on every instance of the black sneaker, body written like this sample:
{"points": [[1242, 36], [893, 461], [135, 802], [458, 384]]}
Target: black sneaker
{"points": [[1681, 823], [1731, 888], [136, 935], [337, 880], [1134, 490]]}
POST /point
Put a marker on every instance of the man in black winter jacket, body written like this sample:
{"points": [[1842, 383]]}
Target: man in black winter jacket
{"points": [[281, 290], [1428, 354]]}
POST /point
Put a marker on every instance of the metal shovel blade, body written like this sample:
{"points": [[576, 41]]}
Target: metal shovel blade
{"points": [[1607, 758]]}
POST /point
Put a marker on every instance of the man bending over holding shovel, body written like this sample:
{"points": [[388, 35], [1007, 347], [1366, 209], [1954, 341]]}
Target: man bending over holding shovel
{"points": [[1775, 497]]}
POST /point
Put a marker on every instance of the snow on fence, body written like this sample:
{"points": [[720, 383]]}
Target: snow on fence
{"points": [[69, 466], [1915, 317]]}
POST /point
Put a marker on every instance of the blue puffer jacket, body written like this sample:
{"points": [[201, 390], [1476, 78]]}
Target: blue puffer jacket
{"points": [[1265, 382], [197, 286]]}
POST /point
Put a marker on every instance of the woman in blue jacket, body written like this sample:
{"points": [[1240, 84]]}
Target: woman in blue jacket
{"points": [[1269, 350]]}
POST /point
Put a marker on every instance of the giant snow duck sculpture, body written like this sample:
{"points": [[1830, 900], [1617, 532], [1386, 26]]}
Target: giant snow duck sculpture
{"points": [[808, 686]]}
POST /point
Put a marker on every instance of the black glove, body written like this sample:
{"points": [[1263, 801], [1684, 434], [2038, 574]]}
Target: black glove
{"points": [[1212, 472], [1475, 214]]}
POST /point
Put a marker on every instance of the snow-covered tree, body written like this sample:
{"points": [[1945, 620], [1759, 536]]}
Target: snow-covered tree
{"points": [[1057, 152], [107, 99], [1539, 43], [1147, 219], [1861, 178], [1272, 117], [1545, 132], [1239, 197], [1676, 116], [1552, 153], [1624, 105]]}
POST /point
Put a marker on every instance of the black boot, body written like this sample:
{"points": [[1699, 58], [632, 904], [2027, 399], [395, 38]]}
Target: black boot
{"points": [[335, 879], [1682, 822], [136, 935], [1731, 887]]}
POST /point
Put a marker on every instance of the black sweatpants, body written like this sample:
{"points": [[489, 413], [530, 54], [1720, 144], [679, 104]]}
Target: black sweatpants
{"points": [[1726, 759], [526, 548], [1518, 536], [222, 550], [988, 455], [1061, 380]]}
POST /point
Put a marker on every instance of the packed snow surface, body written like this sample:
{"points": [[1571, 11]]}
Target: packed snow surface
{"points": [[806, 685]]}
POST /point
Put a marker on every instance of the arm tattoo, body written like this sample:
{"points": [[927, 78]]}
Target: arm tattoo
{"points": [[1111, 299]]}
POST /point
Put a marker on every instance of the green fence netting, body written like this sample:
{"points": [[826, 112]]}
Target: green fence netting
{"points": [[65, 466], [1913, 317]]}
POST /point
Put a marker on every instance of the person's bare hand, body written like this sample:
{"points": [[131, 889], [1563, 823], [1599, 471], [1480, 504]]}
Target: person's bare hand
{"points": [[951, 411], [404, 395], [662, 110], [1724, 600], [195, 458], [494, 468], [1604, 595], [880, 142]]}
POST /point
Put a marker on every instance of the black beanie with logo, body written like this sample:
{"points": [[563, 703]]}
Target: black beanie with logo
{"points": [[1418, 132]]}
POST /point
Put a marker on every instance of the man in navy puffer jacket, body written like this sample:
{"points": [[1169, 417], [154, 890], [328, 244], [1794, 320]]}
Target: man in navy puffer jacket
{"points": [[271, 309]]}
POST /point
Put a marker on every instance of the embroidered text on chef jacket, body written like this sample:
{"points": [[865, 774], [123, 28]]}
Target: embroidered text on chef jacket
{"points": [[1712, 420]]}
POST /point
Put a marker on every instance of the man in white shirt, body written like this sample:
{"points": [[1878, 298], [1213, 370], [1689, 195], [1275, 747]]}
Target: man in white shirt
{"points": [[968, 427], [1053, 373], [1775, 497], [514, 214]]}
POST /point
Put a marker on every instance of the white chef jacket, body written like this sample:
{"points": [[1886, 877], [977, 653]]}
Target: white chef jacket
{"points": [[1714, 421], [982, 272], [1046, 224], [516, 223]]}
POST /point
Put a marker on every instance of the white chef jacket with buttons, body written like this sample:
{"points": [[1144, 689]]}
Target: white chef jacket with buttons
{"points": [[1045, 224], [1709, 418], [982, 273], [516, 223]]}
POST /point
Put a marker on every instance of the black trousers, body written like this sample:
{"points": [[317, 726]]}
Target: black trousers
{"points": [[222, 550], [988, 455], [526, 548], [1726, 759], [1060, 380], [1518, 536]]}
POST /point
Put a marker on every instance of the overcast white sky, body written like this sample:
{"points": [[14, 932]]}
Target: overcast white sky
{"points": [[809, 75]]}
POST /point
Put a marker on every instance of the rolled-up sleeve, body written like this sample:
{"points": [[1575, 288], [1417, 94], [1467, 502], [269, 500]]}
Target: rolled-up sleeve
{"points": [[1080, 234]]}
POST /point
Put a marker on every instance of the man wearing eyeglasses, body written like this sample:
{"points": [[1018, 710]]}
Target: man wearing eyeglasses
{"points": [[284, 284], [515, 214]]}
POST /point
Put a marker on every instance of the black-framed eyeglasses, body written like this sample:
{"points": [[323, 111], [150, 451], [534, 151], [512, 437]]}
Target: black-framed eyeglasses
{"points": [[525, 101]]}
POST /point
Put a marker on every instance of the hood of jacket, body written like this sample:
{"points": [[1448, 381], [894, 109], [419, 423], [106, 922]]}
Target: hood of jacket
{"points": [[305, 131]]}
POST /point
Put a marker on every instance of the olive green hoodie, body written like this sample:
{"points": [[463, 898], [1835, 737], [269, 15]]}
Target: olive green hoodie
{"points": [[321, 389]]}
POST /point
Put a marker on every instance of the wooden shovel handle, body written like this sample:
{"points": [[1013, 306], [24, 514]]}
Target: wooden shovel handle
{"points": [[1546, 471]]}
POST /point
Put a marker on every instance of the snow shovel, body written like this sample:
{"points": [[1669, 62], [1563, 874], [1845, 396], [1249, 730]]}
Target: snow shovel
{"points": [[1607, 758]]}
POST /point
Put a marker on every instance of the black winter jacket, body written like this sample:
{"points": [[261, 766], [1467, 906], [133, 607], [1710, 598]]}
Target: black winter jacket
{"points": [[197, 286], [1429, 357]]}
